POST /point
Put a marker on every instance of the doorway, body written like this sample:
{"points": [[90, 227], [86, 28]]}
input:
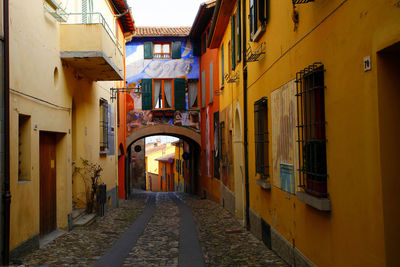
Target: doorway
{"points": [[47, 152], [238, 167]]}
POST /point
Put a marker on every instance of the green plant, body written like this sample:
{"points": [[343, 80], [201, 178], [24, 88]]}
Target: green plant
{"points": [[91, 175]]}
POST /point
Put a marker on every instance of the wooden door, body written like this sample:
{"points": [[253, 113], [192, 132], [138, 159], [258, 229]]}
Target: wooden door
{"points": [[47, 182]]}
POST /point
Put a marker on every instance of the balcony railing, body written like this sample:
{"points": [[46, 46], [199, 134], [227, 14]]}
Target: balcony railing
{"points": [[92, 18]]}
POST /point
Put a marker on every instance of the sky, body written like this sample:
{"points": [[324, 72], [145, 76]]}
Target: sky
{"points": [[164, 139], [164, 12]]}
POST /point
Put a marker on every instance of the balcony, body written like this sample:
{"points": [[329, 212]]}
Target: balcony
{"points": [[88, 44]]}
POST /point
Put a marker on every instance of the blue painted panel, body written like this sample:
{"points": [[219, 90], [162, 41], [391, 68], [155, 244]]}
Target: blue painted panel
{"points": [[287, 177]]}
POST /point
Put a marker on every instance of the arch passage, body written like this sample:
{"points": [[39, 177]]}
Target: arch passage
{"points": [[162, 129]]}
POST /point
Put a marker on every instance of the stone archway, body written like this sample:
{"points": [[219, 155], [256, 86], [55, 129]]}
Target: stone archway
{"points": [[163, 129]]}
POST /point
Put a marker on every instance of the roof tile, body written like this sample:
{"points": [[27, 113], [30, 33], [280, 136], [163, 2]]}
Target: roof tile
{"points": [[162, 31]]}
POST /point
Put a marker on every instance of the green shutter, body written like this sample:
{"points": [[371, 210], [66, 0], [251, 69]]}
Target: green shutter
{"points": [[147, 94], [196, 48], [233, 37], [179, 91], [176, 50], [238, 32], [222, 64], [148, 50]]}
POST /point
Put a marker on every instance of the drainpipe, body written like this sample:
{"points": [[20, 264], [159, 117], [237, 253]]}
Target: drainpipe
{"points": [[6, 190], [246, 149]]}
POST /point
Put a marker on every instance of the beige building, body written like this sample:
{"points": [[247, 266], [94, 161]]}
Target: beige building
{"points": [[65, 57]]}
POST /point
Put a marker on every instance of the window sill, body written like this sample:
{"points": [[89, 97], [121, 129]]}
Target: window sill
{"points": [[264, 184], [255, 37], [322, 204], [103, 153], [23, 181]]}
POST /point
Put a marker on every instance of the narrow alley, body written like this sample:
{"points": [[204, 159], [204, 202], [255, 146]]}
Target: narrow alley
{"points": [[164, 241]]}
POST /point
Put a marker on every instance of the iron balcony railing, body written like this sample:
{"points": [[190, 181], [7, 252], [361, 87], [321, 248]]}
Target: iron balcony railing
{"points": [[92, 18]]}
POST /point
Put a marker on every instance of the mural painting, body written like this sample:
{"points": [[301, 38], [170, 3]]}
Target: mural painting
{"points": [[138, 68]]}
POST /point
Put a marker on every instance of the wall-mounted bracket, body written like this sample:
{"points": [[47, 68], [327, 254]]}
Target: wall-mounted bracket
{"points": [[231, 77], [135, 90], [254, 55]]}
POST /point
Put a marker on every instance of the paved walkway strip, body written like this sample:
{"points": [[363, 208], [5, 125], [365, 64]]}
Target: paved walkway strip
{"points": [[159, 243], [189, 246], [118, 252]]}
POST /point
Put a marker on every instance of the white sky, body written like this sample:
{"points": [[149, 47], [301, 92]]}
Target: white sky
{"points": [[164, 12]]}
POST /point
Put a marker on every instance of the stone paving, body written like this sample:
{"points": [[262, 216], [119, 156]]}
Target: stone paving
{"points": [[159, 244], [224, 242], [84, 246]]}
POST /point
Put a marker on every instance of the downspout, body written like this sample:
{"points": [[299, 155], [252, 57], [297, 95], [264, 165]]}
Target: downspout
{"points": [[6, 190], [246, 150]]}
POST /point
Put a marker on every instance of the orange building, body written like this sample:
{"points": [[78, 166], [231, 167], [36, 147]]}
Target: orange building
{"points": [[209, 184], [166, 173]]}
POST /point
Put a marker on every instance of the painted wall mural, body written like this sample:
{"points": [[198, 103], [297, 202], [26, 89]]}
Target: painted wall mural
{"points": [[138, 68]]}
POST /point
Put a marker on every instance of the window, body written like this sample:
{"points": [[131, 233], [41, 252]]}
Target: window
{"points": [[163, 94], [162, 50], [311, 130], [203, 88], [204, 43], [103, 125], [261, 137], [24, 147], [233, 40], [211, 83], [229, 56], [259, 12], [222, 64], [193, 101]]}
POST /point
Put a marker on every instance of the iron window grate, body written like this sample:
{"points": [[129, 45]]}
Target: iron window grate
{"points": [[302, 1], [261, 136], [311, 130], [103, 124]]}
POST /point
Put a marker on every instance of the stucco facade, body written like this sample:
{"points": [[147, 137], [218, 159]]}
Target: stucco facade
{"points": [[61, 106]]}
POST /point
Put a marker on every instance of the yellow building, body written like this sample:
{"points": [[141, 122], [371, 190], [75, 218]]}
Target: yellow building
{"points": [[225, 34], [65, 57], [153, 152], [320, 84]]}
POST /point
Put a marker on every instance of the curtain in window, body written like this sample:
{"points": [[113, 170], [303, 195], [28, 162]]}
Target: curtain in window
{"points": [[168, 93], [157, 90], [192, 94]]}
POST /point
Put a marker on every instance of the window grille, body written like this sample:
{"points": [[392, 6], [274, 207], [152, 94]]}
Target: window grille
{"points": [[103, 124], [261, 136], [311, 130], [302, 1]]}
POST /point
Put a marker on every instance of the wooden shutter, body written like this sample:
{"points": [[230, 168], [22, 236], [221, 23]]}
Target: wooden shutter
{"points": [[179, 91], [196, 48], [148, 50], [176, 50], [263, 11], [222, 64], [233, 37], [238, 32], [147, 94]]}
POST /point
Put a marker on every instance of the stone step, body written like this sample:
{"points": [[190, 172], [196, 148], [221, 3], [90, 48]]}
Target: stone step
{"points": [[77, 213], [85, 220]]}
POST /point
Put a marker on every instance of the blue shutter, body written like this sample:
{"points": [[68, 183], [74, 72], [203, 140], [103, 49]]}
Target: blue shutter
{"points": [[211, 82], [176, 50], [148, 50], [238, 32], [147, 94], [233, 37], [180, 93]]}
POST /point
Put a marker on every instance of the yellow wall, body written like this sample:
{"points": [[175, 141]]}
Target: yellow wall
{"points": [[339, 34], [35, 56], [152, 163]]}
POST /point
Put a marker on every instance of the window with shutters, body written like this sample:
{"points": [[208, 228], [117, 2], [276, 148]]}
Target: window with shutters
{"points": [[261, 137], [161, 50], [204, 43], [203, 89], [103, 125], [233, 40], [163, 92], [222, 65], [193, 94], [258, 17], [311, 130], [211, 83]]}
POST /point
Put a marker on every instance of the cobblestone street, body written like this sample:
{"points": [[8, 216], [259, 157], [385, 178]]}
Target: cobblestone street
{"points": [[223, 241]]}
